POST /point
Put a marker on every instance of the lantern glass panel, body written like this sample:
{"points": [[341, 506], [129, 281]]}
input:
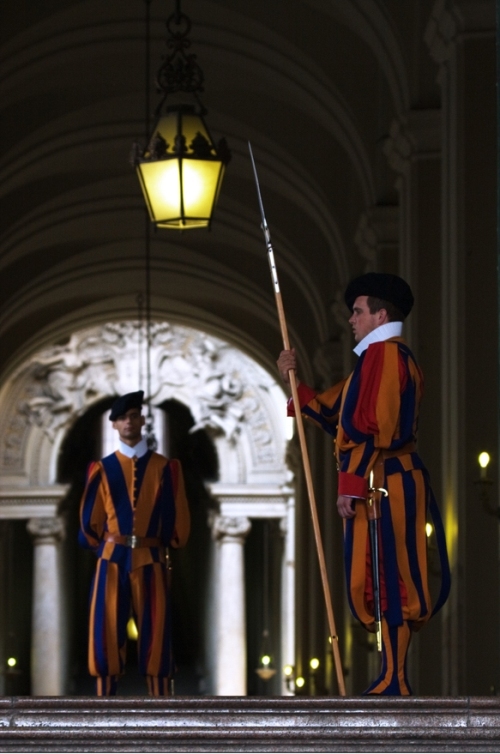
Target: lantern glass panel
{"points": [[200, 181], [160, 182]]}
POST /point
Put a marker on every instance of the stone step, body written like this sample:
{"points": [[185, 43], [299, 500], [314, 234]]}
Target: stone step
{"points": [[254, 724]]}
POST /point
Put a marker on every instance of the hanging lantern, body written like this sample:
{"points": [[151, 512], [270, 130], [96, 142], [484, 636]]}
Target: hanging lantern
{"points": [[181, 168]]}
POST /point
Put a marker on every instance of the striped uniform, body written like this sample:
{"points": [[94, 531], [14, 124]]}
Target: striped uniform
{"points": [[373, 416], [132, 496]]}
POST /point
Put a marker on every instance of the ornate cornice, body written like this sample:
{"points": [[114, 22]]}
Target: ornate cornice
{"points": [[31, 502], [451, 19], [417, 134]]}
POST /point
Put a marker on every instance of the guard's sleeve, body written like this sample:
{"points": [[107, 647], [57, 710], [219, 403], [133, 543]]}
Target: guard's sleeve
{"points": [[92, 511], [320, 408], [373, 417], [182, 523]]}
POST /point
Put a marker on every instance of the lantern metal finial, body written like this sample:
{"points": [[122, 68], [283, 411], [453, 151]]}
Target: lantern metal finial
{"points": [[179, 72]]}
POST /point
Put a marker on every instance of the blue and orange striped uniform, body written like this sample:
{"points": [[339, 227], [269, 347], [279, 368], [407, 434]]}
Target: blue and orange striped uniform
{"points": [[373, 416], [144, 497]]}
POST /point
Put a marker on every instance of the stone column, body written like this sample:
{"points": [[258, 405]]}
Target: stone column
{"points": [[413, 150], [231, 645], [47, 646], [287, 527]]}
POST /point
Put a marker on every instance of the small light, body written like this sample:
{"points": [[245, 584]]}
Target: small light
{"points": [[299, 682], [428, 529], [314, 663], [132, 632], [484, 459], [265, 660], [12, 662], [288, 671]]}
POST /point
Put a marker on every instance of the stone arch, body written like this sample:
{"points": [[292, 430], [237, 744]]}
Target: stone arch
{"points": [[228, 393], [230, 396]]}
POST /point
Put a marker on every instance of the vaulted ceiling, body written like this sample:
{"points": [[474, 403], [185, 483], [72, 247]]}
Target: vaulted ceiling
{"points": [[314, 85]]}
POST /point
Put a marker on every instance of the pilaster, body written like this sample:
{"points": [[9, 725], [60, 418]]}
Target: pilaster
{"points": [[461, 39], [377, 238]]}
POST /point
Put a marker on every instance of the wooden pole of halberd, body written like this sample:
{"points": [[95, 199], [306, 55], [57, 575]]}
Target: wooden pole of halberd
{"points": [[309, 484], [303, 445]]}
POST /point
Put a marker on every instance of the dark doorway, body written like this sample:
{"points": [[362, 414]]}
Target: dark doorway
{"points": [[198, 457], [263, 562], [16, 590]]}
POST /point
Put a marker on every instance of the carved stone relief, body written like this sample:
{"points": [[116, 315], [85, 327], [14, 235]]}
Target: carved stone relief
{"points": [[224, 389]]}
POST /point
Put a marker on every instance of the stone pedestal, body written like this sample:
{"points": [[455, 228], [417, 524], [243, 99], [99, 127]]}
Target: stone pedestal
{"points": [[47, 640], [231, 650]]}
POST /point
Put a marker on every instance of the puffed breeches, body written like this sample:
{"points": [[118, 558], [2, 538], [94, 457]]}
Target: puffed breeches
{"points": [[114, 593]]}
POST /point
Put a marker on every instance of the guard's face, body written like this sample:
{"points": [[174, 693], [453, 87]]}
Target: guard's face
{"points": [[130, 425], [363, 321]]}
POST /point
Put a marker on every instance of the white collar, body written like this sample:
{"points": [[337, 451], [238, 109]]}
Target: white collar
{"points": [[384, 332], [138, 450]]}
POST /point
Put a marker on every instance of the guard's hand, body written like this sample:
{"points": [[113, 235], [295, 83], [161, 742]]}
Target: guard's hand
{"points": [[286, 361], [345, 506]]}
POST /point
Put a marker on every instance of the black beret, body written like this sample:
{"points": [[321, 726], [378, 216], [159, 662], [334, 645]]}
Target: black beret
{"points": [[126, 402], [390, 288]]}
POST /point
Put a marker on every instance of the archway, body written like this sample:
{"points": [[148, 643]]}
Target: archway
{"points": [[229, 399]]}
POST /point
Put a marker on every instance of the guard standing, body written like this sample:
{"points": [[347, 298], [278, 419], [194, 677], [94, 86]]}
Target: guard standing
{"points": [[133, 508], [373, 416]]}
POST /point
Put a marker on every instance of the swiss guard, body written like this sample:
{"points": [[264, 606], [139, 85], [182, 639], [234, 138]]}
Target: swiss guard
{"points": [[384, 494], [133, 508]]}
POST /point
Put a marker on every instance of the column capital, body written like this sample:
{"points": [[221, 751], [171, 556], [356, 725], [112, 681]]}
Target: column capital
{"points": [[231, 529], [414, 135], [452, 18], [377, 237], [46, 530]]}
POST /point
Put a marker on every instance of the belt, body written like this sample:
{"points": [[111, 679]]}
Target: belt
{"points": [[410, 447], [130, 540], [385, 455]]}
